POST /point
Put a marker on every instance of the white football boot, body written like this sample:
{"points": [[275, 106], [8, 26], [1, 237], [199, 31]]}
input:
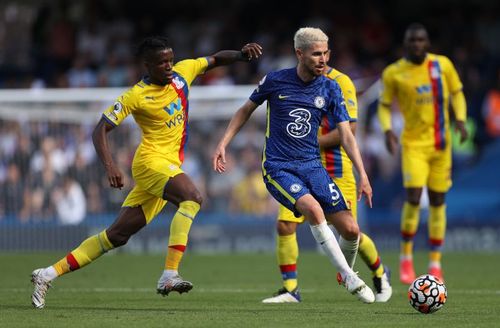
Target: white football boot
{"points": [[284, 296], [383, 288], [357, 287], [41, 287], [173, 284]]}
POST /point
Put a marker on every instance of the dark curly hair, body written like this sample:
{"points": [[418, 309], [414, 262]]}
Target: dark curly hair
{"points": [[152, 43]]}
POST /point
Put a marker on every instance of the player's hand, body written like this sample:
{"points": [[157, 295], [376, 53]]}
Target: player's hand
{"points": [[391, 142], [460, 127], [251, 50], [115, 176], [219, 159], [365, 188]]}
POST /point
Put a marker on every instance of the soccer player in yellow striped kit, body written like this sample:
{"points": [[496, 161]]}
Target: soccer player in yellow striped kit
{"points": [[423, 84], [339, 167], [159, 105]]}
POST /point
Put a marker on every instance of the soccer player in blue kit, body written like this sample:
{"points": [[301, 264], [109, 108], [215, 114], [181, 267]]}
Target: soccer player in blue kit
{"points": [[297, 99]]}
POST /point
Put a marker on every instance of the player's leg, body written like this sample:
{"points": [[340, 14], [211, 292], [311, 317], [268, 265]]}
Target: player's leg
{"points": [[381, 275], [129, 221], [410, 218], [347, 186], [437, 231], [287, 251], [415, 169], [367, 249], [335, 206], [348, 230], [181, 191], [292, 191], [439, 183], [314, 214]]}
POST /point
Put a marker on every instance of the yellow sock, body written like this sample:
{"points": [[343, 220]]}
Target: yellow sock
{"points": [[179, 230], [89, 250], [409, 224], [368, 252], [174, 257], [437, 231], [288, 253]]}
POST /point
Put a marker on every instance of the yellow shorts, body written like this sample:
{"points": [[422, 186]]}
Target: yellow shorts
{"points": [[150, 178], [426, 167], [347, 186]]}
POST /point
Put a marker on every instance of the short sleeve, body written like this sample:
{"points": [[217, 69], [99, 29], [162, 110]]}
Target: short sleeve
{"points": [[189, 69], [263, 90], [349, 91], [123, 106], [337, 105]]}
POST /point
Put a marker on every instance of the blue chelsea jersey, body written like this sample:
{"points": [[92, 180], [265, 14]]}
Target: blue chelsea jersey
{"points": [[294, 112]]}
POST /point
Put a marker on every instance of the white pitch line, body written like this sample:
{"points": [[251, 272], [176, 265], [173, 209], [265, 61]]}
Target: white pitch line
{"points": [[219, 290]]}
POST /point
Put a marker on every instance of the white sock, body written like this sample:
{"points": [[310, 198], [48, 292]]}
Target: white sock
{"points": [[326, 239], [170, 273], [349, 249], [435, 264], [49, 273], [405, 257]]}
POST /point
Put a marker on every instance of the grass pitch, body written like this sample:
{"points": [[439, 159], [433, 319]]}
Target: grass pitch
{"points": [[119, 291]]}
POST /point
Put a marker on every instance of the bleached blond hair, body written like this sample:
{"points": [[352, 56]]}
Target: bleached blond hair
{"points": [[306, 36]]}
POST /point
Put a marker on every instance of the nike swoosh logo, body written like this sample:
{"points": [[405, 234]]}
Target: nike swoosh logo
{"points": [[282, 97], [335, 203]]}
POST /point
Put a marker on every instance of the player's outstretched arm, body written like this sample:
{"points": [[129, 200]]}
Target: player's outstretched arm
{"points": [[226, 57], [99, 137], [350, 145], [238, 120]]}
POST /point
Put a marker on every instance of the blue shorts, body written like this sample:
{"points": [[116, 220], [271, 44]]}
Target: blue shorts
{"points": [[287, 184]]}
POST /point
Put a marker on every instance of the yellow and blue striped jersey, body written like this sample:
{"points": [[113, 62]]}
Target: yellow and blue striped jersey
{"points": [[161, 112], [423, 94], [335, 159]]}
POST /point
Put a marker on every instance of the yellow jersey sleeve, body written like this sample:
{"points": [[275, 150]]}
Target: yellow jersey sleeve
{"points": [[458, 102], [349, 92], [449, 71], [123, 107], [388, 87], [385, 100], [189, 69]]}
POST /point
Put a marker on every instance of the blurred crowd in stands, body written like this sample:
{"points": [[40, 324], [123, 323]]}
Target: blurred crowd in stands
{"points": [[51, 170]]}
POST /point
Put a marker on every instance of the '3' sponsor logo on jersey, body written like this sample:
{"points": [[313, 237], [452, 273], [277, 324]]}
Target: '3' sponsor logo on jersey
{"points": [[301, 126]]}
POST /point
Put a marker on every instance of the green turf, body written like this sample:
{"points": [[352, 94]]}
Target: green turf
{"points": [[118, 291]]}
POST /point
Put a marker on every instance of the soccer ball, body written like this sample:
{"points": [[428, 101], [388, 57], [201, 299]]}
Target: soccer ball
{"points": [[427, 294]]}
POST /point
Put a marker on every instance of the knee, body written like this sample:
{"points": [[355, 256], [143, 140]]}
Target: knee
{"points": [[310, 210], [350, 231], [413, 200], [197, 197], [194, 196], [413, 196], [117, 238], [286, 228], [436, 199]]}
